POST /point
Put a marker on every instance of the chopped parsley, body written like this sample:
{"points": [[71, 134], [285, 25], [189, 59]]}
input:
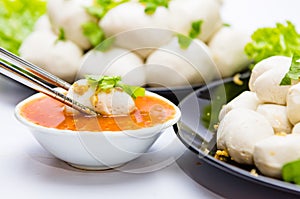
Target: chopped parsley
{"points": [[152, 5], [184, 41], [105, 83], [195, 29]]}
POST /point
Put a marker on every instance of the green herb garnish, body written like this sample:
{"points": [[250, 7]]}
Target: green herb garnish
{"points": [[133, 91], [195, 29], [184, 41], [96, 11], [93, 32], [61, 35], [294, 71], [266, 42], [105, 83], [151, 5], [101, 7], [226, 25], [291, 172], [105, 45], [17, 19]]}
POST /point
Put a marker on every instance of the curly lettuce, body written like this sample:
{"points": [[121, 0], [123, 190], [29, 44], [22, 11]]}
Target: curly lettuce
{"points": [[17, 19], [283, 39]]}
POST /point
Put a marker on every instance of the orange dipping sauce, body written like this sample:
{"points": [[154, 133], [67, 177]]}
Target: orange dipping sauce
{"points": [[48, 112]]}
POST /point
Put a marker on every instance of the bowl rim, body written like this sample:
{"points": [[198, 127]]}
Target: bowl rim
{"points": [[51, 130]]}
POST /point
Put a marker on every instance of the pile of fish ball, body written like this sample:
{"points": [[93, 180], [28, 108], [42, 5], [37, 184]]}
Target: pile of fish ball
{"points": [[261, 127], [145, 50]]}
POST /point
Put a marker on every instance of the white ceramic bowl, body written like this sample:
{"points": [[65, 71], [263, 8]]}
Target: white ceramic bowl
{"points": [[96, 150]]}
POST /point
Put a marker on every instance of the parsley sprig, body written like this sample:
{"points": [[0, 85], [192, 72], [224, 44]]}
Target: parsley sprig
{"points": [[152, 5], [61, 36], [195, 31], [105, 83], [294, 71], [101, 7], [184, 41]]}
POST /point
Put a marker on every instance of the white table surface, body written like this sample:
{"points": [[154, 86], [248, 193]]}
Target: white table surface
{"points": [[28, 171]]}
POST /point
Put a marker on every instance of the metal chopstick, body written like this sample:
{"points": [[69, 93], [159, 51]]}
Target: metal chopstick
{"points": [[39, 72], [29, 79]]}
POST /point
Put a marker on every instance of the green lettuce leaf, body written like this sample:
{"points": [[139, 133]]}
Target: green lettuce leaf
{"points": [[17, 19], [269, 41]]}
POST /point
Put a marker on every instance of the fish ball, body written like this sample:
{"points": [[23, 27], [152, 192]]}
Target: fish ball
{"points": [[267, 64], [172, 66], [277, 116], [43, 23], [293, 103], [246, 99], [194, 10], [136, 30], [61, 58], [239, 131], [296, 129], [273, 152], [69, 16], [114, 62], [113, 102], [227, 47], [267, 86]]}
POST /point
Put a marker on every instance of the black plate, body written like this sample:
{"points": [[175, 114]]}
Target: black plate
{"points": [[195, 129]]}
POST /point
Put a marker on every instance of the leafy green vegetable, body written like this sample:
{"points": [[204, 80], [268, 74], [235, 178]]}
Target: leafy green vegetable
{"points": [[266, 42], [61, 35], [101, 7], [291, 172], [108, 82], [93, 32], [151, 5], [226, 25], [294, 71], [96, 11], [195, 29], [105, 45], [184, 41], [133, 91], [17, 19]]}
